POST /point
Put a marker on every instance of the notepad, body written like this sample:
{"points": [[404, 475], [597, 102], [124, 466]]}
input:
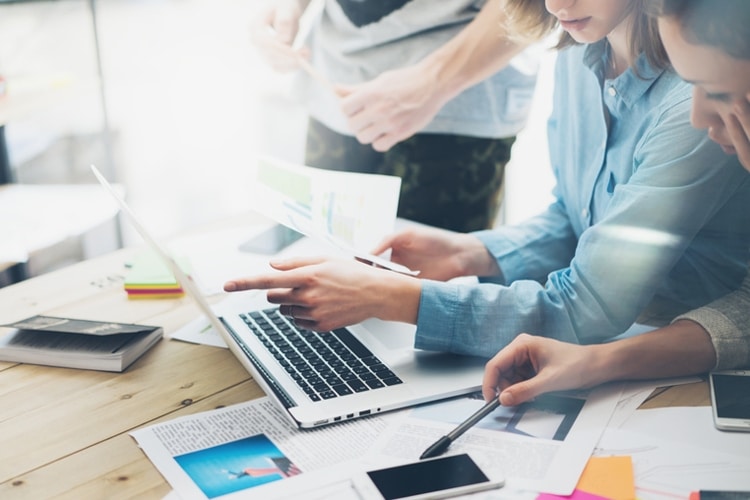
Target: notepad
{"points": [[149, 278]]}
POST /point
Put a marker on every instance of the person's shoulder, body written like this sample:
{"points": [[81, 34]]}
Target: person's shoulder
{"points": [[673, 85]]}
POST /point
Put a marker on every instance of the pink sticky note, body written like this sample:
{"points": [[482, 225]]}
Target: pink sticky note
{"points": [[577, 495]]}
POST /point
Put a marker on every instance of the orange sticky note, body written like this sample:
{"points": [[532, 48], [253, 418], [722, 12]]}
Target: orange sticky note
{"points": [[610, 477]]}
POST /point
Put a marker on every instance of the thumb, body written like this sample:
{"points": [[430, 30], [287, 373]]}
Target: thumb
{"points": [[294, 262], [522, 392], [342, 90]]}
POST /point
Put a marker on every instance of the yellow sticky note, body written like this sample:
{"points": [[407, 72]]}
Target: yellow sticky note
{"points": [[610, 477]]}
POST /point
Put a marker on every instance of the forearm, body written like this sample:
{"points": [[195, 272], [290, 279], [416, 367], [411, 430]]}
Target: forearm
{"points": [[478, 51], [680, 349]]}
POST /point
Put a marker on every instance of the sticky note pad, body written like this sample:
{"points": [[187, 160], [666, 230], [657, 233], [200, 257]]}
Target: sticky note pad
{"points": [[149, 277], [610, 477]]}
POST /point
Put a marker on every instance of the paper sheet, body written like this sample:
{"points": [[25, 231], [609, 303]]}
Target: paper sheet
{"points": [[539, 447], [350, 210], [692, 425], [247, 448], [665, 470], [636, 392]]}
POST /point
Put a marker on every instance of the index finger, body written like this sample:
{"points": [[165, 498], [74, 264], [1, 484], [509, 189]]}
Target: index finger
{"points": [[287, 279]]}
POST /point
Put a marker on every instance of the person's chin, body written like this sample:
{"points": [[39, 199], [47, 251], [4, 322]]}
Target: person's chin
{"points": [[584, 38]]}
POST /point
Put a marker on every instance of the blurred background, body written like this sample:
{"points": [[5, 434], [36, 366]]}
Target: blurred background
{"points": [[170, 100]]}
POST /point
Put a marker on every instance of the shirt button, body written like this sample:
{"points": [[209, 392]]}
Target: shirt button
{"points": [[612, 91], [584, 213]]}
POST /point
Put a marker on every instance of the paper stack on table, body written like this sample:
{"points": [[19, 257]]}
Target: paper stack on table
{"points": [[149, 278]]}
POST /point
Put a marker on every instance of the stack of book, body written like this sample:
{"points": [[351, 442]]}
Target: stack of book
{"points": [[149, 278], [77, 343]]}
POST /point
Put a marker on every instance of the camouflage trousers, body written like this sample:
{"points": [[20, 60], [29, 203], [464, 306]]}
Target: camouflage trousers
{"points": [[448, 181]]}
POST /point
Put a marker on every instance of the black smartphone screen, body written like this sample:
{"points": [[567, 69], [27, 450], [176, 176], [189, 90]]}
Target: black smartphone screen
{"points": [[732, 395], [426, 477]]}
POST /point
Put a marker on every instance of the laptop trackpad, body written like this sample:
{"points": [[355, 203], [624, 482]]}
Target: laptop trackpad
{"points": [[392, 335], [440, 361]]}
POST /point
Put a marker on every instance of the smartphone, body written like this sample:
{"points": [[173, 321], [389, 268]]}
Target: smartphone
{"points": [[440, 477], [730, 399]]}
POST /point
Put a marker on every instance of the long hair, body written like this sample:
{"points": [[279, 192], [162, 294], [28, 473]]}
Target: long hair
{"points": [[529, 21], [721, 24]]}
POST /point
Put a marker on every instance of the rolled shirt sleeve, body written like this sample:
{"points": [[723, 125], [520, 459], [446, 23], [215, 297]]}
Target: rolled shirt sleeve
{"points": [[727, 321]]}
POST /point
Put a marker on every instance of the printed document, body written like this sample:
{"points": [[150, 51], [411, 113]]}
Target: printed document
{"points": [[353, 211], [251, 450], [243, 447]]}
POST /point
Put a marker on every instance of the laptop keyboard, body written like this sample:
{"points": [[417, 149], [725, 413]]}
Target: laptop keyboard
{"points": [[325, 365]]}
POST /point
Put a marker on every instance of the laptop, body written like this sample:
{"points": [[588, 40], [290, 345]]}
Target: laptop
{"points": [[320, 378]]}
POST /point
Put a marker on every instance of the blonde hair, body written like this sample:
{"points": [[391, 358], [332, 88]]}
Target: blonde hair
{"points": [[529, 21]]}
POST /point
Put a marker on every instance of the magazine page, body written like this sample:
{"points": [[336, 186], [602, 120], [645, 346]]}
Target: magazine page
{"points": [[240, 448]]}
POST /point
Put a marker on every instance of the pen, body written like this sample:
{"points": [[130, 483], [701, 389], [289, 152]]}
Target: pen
{"points": [[444, 442], [719, 495]]}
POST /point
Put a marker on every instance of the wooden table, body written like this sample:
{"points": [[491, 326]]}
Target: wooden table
{"points": [[64, 432]]}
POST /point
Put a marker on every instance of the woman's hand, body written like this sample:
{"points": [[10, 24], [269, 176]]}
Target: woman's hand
{"points": [[325, 294], [439, 254], [531, 365]]}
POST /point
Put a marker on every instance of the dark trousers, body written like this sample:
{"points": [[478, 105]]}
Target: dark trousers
{"points": [[449, 181]]}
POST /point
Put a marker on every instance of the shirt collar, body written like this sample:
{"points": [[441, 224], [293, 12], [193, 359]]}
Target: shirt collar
{"points": [[629, 85]]}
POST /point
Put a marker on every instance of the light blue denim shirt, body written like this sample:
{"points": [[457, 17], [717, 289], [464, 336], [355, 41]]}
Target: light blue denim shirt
{"points": [[649, 214]]}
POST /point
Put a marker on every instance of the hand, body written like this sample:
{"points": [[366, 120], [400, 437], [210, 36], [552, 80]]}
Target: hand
{"points": [[439, 254], [273, 32], [738, 127], [392, 107], [531, 365], [326, 294]]}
